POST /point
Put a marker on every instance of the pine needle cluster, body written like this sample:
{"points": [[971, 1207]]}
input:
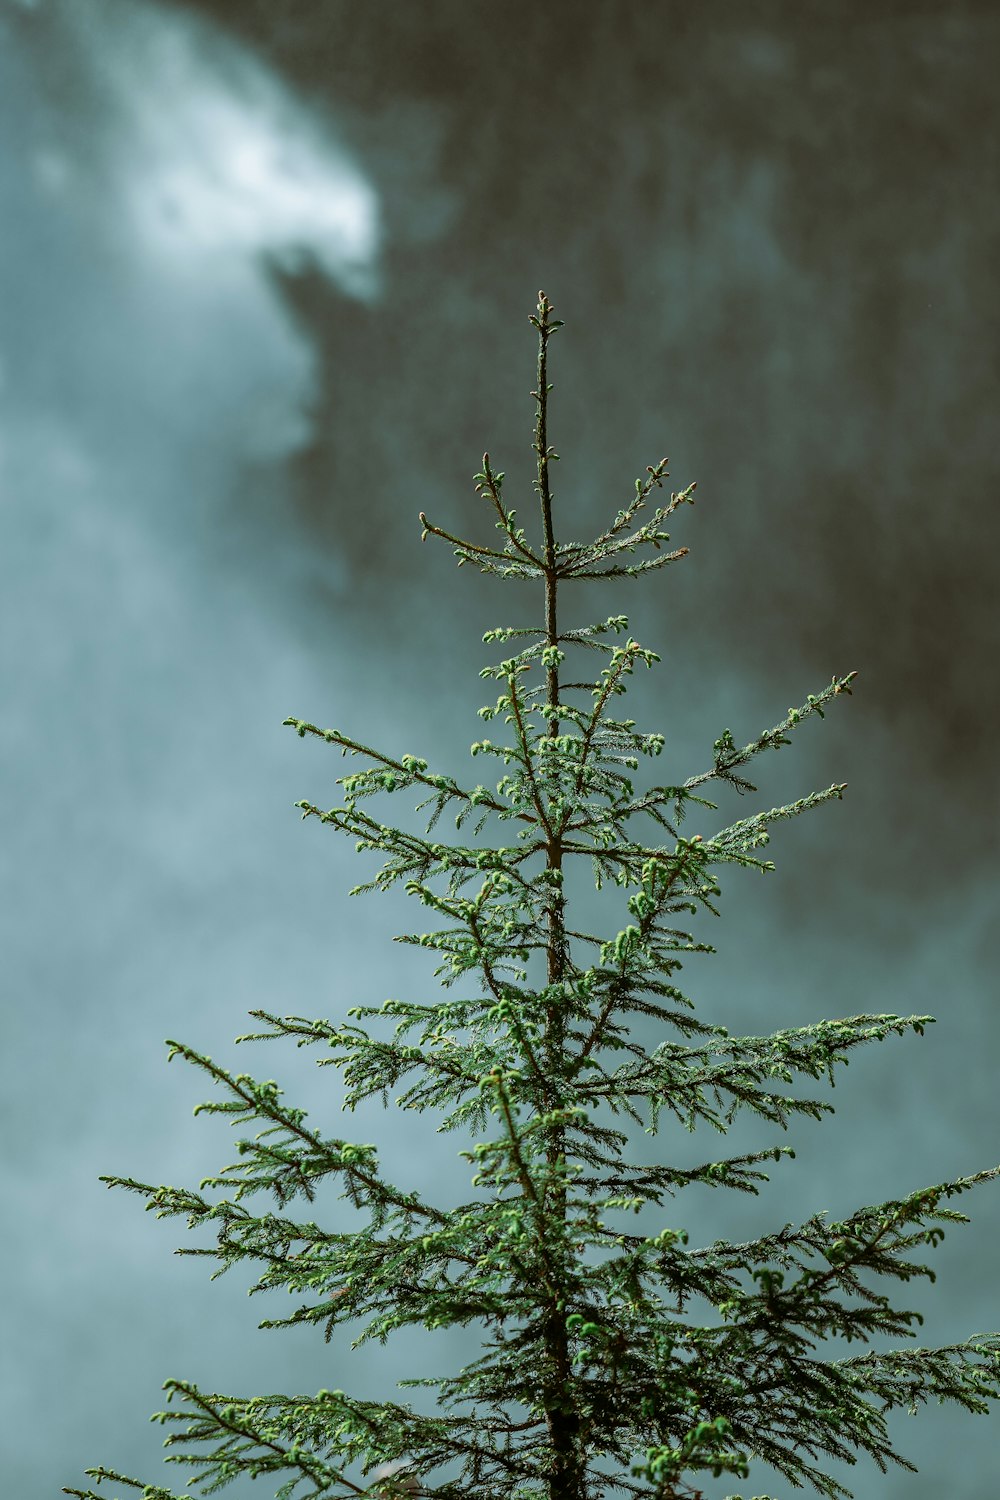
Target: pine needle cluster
{"points": [[590, 1381]]}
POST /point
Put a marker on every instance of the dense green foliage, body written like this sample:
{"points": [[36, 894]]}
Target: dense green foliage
{"points": [[589, 1381]]}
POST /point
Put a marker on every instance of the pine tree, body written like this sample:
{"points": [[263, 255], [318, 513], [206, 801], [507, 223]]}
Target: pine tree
{"points": [[589, 1381]]}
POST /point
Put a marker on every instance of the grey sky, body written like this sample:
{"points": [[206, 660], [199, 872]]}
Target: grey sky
{"points": [[265, 280]]}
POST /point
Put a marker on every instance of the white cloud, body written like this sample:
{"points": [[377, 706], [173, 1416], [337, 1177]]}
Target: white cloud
{"points": [[213, 156]]}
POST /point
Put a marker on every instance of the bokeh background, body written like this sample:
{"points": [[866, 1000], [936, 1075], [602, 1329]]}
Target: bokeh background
{"points": [[266, 273]]}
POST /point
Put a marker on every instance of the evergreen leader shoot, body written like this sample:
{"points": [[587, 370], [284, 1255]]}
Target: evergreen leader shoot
{"points": [[589, 1383]]}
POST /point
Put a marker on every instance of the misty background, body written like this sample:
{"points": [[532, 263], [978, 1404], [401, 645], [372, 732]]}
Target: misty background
{"points": [[265, 275]]}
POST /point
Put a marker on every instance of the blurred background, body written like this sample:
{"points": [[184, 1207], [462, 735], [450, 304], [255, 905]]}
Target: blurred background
{"points": [[266, 274]]}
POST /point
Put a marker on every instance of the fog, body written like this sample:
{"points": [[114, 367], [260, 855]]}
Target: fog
{"points": [[266, 273]]}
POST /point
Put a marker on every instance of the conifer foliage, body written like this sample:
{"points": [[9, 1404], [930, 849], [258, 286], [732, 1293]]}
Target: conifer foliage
{"points": [[590, 1381]]}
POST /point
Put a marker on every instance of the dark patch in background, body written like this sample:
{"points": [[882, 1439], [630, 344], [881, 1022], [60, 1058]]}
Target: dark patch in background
{"points": [[772, 232]]}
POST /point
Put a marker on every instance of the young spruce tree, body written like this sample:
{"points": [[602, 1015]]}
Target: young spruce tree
{"points": [[589, 1382]]}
